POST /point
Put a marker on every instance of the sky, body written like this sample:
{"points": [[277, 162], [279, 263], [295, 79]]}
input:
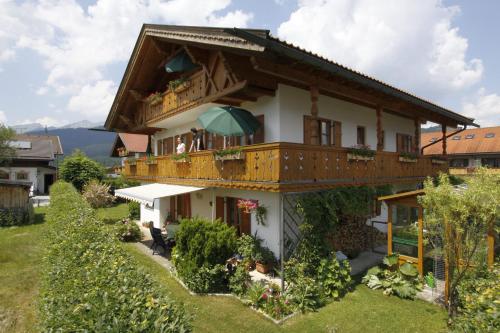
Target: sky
{"points": [[61, 61]]}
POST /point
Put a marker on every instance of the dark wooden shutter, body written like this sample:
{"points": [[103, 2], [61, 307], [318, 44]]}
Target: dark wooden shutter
{"points": [[159, 147], [399, 142], [245, 223], [219, 141], [307, 130], [219, 208], [168, 145], [173, 211], [337, 134], [259, 135], [187, 205]]}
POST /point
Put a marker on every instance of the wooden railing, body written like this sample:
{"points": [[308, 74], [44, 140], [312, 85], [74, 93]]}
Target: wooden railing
{"points": [[464, 171], [186, 95], [284, 167]]}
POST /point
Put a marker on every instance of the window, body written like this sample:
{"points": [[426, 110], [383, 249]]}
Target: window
{"points": [[489, 135], [21, 175], [470, 136], [324, 131], [456, 137], [324, 128], [4, 174], [459, 163], [404, 143], [491, 162], [361, 135]]}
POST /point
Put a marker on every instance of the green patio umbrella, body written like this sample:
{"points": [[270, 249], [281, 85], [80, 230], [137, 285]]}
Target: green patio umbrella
{"points": [[229, 121], [180, 63]]}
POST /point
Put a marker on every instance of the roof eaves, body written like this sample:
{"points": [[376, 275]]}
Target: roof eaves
{"points": [[300, 54]]}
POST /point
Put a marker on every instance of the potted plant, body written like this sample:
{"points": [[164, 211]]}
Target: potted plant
{"points": [[179, 85], [180, 158], [229, 154], [132, 161], [264, 260], [247, 249], [151, 160], [408, 157], [155, 98], [360, 153]]}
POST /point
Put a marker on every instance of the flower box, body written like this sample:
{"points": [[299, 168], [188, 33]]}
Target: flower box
{"points": [[263, 268], [407, 159], [438, 161], [181, 160], [183, 86], [132, 163], [356, 157], [230, 157], [152, 162]]}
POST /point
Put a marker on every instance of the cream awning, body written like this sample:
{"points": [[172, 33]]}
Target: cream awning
{"points": [[146, 194]]}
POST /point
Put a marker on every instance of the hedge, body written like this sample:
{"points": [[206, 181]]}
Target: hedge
{"points": [[90, 284], [16, 216]]}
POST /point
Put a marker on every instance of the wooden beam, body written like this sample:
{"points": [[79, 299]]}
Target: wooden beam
{"points": [[389, 228], [491, 247], [380, 135], [443, 130], [416, 141], [136, 95], [420, 265], [314, 125]]}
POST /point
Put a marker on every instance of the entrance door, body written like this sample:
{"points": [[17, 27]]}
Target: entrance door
{"points": [[233, 215], [48, 180]]}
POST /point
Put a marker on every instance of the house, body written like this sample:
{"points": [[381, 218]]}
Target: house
{"points": [[16, 207], [314, 113], [467, 149], [35, 161], [127, 145]]}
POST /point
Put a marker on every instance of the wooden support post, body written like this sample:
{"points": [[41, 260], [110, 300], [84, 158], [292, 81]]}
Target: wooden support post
{"points": [[416, 142], [491, 247], [389, 228], [380, 135], [314, 113], [420, 265], [443, 130]]}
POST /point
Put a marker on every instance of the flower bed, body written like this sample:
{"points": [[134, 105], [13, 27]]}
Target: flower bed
{"points": [[89, 283]]}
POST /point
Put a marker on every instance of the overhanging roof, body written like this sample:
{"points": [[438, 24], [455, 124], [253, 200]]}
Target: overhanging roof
{"points": [[147, 194]]}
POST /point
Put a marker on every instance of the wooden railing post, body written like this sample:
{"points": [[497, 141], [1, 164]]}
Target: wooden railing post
{"points": [[314, 125], [420, 264], [443, 130], [380, 138]]}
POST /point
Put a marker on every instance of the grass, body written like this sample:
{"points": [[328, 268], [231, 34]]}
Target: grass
{"points": [[20, 255], [115, 213], [363, 310]]}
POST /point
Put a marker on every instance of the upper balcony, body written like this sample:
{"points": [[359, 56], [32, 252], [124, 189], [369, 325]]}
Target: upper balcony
{"points": [[285, 167]]}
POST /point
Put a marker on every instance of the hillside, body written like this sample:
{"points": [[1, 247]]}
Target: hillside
{"points": [[95, 144]]}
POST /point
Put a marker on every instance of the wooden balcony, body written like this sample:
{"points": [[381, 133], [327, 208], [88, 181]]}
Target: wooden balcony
{"points": [[283, 167]]}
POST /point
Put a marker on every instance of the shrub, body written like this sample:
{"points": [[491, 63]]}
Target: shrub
{"points": [[479, 305], [16, 216], [239, 281], [201, 245], [303, 291], [120, 182], [89, 283], [134, 210], [206, 279], [334, 278], [402, 281], [78, 170], [97, 194], [247, 246], [128, 231]]}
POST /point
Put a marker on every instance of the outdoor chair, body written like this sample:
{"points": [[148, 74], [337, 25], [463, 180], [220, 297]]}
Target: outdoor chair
{"points": [[158, 240]]}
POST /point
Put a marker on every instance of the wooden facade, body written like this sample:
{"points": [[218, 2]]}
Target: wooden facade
{"points": [[283, 167], [14, 195]]}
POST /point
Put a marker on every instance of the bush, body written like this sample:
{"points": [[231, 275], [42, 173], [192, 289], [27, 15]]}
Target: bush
{"points": [[16, 216], [134, 210], [402, 281], [201, 245], [334, 278], [303, 291], [128, 231], [479, 306], [78, 170], [239, 281], [120, 182], [89, 283], [97, 194]]}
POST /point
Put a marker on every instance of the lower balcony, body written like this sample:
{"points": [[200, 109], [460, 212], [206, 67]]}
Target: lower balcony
{"points": [[284, 167]]}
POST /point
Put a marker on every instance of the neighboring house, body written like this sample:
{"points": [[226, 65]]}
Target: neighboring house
{"points": [[35, 161], [312, 111], [467, 149], [129, 146]]}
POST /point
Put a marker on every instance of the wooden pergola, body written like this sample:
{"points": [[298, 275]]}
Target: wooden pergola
{"points": [[410, 199]]}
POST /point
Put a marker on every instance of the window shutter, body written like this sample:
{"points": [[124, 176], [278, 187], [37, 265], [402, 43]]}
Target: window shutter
{"points": [[337, 134], [172, 208], [258, 136], [168, 145], [307, 129], [399, 142], [219, 208], [219, 141], [159, 147], [187, 205]]}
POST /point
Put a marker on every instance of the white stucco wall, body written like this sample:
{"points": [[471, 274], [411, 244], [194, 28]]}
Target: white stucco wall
{"points": [[35, 176]]}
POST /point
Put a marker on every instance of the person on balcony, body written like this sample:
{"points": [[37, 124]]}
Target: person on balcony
{"points": [[197, 143], [181, 146]]}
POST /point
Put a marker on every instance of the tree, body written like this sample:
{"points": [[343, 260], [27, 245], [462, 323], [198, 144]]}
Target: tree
{"points": [[78, 169], [6, 150], [457, 220]]}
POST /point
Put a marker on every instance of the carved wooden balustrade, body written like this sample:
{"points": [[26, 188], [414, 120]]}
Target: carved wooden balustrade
{"points": [[284, 167]]}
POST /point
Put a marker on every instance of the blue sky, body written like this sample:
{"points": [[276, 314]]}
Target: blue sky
{"points": [[61, 61]]}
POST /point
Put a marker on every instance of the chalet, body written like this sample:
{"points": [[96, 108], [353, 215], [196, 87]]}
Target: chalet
{"points": [[318, 121], [128, 145], [35, 161], [467, 149]]}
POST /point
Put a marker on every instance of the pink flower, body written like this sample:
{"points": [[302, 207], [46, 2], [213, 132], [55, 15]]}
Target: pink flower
{"points": [[264, 296]]}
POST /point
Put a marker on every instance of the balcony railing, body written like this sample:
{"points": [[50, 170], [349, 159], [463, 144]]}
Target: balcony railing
{"points": [[284, 166]]}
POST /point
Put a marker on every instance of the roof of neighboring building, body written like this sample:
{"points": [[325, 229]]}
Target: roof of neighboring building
{"points": [[38, 150], [22, 183], [134, 143], [56, 142], [258, 41], [484, 140]]}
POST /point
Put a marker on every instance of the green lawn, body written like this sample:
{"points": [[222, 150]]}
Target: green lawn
{"points": [[363, 310], [116, 212], [20, 255]]}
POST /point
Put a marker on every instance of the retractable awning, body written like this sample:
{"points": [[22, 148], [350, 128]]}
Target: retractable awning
{"points": [[146, 194]]}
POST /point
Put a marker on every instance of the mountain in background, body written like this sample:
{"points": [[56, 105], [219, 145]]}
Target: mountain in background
{"points": [[95, 144]]}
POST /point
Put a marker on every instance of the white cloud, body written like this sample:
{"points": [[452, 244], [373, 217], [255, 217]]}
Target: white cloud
{"points": [[94, 100], [3, 117], [485, 108], [42, 91], [411, 44], [45, 121], [78, 43]]}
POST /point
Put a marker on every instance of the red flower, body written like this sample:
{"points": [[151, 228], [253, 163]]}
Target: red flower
{"points": [[264, 296]]}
